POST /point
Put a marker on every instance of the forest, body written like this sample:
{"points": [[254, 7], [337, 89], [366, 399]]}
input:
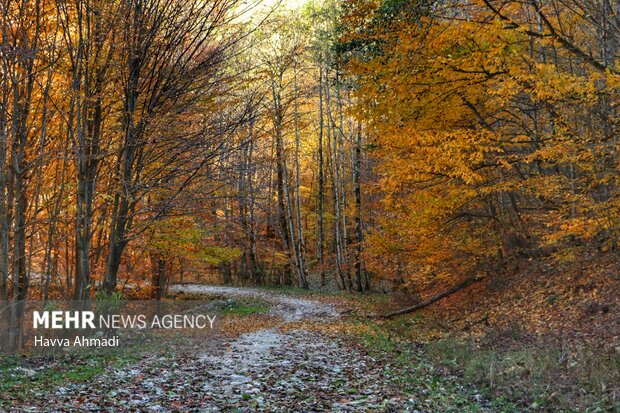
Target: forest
{"points": [[450, 161]]}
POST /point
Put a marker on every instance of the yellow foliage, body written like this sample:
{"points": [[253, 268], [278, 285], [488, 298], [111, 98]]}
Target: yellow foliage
{"points": [[479, 136]]}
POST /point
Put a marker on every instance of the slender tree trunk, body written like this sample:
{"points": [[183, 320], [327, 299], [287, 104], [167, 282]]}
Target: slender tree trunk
{"points": [[341, 178], [242, 191], [87, 178], [58, 199], [22, 84], [321, 189], [359, 233], [281, 184], [5, 226], [254, 264], [158, 276], [19, 177], [335, 181], [124, 198], [4, 172], [302, 272], [39, 169]]}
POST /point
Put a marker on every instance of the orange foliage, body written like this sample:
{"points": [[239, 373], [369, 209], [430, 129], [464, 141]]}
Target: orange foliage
{"points": [[491, 141]]}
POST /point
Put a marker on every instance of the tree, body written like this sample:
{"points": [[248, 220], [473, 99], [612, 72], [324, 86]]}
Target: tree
{"points": [[174, 54], [281, 61], [491, 130]]}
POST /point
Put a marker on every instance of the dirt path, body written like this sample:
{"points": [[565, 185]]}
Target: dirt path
{"points": [[270, 370], [287, 307]]}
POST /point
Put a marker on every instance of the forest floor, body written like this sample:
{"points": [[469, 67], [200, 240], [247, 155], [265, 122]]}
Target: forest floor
{"points": [[279, 351]]}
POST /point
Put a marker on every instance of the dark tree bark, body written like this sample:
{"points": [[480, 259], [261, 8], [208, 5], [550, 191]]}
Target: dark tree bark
{"points": [[360, 277], [434, 298]]}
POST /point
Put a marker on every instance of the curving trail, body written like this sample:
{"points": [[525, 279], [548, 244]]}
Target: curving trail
{"points": [[270, 370], [287, 307]]}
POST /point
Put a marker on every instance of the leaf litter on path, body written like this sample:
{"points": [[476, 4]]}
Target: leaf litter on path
{"points": [[267, 370]]}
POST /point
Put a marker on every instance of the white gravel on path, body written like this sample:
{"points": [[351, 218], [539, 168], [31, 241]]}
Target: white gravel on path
{"points": [[288, 307], [271, 370]]}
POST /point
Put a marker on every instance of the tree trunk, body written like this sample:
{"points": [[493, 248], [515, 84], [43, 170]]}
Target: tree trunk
{"points": [[4, 200], [341, 178], [335, 181], [321, 188], [158, 276], [359, 234], [127, 162], [302, 272], [434, 298], [281, 207]]}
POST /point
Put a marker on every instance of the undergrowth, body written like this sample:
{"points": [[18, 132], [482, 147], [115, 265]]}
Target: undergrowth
{"points": [[22, 378], [416, 375], [457, 374], [543, 377]]}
